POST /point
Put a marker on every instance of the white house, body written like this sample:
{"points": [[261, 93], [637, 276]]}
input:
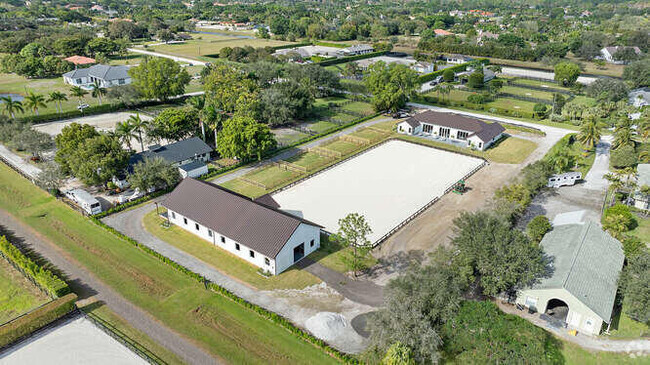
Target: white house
{"points": [[106, 76], [581, 287], [608, 53], [472, 132], [189, 155], [253, 230], [457, 59], [639, 97], [357, 49]]}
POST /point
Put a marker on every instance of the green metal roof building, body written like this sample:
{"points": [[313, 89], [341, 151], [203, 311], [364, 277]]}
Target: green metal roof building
{"points": [[583, 275]]}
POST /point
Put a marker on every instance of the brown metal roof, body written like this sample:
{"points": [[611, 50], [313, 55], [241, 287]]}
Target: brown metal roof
{"points": [[257, 226], [484, 131]]}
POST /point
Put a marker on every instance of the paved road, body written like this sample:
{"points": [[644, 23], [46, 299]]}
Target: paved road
{"points": [[175, 58], [86, 285], [19, 162], [294, 151]]}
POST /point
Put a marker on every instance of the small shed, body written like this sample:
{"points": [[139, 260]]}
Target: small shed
{"points": [[193, 169]]}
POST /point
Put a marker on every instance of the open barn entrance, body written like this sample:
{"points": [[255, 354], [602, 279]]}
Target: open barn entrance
{"points": [[557, 309], [298, 252]]}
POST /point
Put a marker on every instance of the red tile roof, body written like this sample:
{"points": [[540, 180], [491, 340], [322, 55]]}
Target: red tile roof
{"points": [[80, 60]]}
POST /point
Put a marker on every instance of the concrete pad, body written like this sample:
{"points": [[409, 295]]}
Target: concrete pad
{"points": [[386, 184], [76, 341]]}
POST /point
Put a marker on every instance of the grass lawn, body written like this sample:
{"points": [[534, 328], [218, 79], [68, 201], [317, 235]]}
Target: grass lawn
{"points": [[531, 93], [129, 59], [511, 150], [17, 294], [287, 136], [324, 102], [545, 84], [322, 126], [642, 231], [369, 134], [344, 117], [219, 325], [224, 261], [244, 188], [576, 355], [310, 160], [624, 327], [584, 100], [359, 107], [503, 103], [271, 176], [207, 44], [344, 147], [589, 67], [330, 253]]}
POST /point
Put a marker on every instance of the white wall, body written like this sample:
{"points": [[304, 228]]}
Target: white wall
{"points": [[229, 244], [304, 233], [577, 310], [194, 173]]}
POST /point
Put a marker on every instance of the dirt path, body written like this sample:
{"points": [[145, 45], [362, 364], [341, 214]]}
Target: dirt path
{"points": [[88, 287]]}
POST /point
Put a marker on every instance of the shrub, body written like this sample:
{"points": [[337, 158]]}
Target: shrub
{"points": [[618, 219], [43, 277], [537, 228], [38, 318], [624, 156]]}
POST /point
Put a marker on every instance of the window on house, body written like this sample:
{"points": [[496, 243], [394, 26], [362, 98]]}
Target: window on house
{"points": [[311, 243], [251, 253], [462, 135], [185, 221], [173, 215], [209, 233], [267, 261], [237, 246], [78, 81], [223, 239], [121, 81], [196, 225]]}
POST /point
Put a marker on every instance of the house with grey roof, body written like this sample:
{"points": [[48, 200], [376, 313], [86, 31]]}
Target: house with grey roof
{"points": [[642, 200], [356, 49], [585, 264], [456, 128], [105, 75], [608, 53], [254, 230], [189, 155]]}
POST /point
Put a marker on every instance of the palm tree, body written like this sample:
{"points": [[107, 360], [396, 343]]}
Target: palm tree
{"points": [[78, 93], [589, 133], [138, 124], [57, 97], [616, 184], [212, 116], [644, 129], [11, 106], [34, 101], [562, 161], [622, 134], [198, 103], [125, 132], [98, 91]]}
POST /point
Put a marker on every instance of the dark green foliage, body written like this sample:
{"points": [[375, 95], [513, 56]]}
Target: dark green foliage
{"points": [[618, 219], [69, 141], [476, 80], [537, 228], [43, 277], [480, 333], [638, 73], [174, 124], [624, 156], [607, 90], [541, 110], [448, 75], [635, 288]]}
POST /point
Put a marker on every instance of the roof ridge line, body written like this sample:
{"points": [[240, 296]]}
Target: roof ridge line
{"points": [[577, 252]]}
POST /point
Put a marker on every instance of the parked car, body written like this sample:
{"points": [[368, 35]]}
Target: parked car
{"points": [[436, 81], [83, 106]]}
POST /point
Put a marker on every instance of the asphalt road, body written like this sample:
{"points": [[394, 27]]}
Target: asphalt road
{"points": [[87, 286]]}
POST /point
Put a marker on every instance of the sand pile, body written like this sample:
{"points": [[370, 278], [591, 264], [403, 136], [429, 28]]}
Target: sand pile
{"points": [[326, 325]]}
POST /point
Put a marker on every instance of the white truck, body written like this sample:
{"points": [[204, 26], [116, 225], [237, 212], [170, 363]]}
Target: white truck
{"points": [[84, 200]]}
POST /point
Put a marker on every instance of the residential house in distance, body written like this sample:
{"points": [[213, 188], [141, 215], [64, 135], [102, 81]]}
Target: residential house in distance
{"points": [[459, 129], [80, 60], [189, 155], [580, 291], [641, 200], [608, 53], [463, 77], [355, 50], [253, 230], [639, 97], [457, 59], [442, 32], [106, 76]]}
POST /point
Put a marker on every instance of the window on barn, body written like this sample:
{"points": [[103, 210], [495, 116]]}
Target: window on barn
{"points": [[462, 135], [251, 253], [267, 261], [237, 246], [209, 233], [185, 221], [311, 243], [196, 225], [173, 215], [223, 239]]}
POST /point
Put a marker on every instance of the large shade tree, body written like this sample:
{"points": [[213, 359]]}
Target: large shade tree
{"points": [[244, 138], [159, 78], [391, 85]]}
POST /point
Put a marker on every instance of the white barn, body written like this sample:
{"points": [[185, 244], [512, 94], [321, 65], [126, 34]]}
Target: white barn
{"points": [[253, 230], [473, 132], [104, 75]]}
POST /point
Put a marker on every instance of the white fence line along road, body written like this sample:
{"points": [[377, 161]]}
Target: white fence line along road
{"points": [[175, 58], [545, 75]]}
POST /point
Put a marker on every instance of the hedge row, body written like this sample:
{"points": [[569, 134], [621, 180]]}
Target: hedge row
{"points": [[331, 44], [336, 61], [42, 277], [293, 45], [38, 318], [458, 68], [274, 317]]}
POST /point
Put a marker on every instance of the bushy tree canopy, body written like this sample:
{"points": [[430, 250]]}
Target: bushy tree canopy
{"points": [[159, 78]]}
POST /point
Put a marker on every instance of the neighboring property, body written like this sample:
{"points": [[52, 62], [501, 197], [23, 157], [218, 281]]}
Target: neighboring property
{"points": [[309, 51], [639, 97], [84, 200], [80, 60], [254, 230], [424, 67], [357, 49], [641, 200], [608, 53], [442, 32], [457, 128], [463, 77], [366, 63], [581, 288], [566, 179], [105, 75], [457, 59], [189, 155]]}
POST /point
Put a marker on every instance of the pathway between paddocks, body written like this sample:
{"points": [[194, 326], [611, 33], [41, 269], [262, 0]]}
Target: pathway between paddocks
{"points": [[86, 285], [294, 151]]}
